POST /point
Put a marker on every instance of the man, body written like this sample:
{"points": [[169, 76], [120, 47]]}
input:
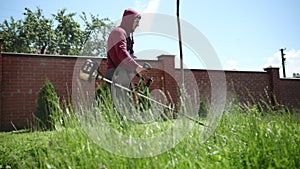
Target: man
{"points": [[120, 61]]}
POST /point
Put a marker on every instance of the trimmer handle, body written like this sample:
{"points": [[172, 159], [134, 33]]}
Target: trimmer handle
{"points": [[147, 66]]}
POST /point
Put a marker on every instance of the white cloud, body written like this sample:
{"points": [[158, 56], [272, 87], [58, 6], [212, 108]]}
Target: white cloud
{"points": [[273, 61], [292, 63], [144, 7], [151, 7], [231, 65]]}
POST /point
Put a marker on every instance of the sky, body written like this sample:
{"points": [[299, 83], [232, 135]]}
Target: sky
{"points": [[246, 35]]}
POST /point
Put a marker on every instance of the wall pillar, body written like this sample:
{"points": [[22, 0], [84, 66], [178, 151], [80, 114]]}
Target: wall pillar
{"points": [[169, 75], [274, 84]]}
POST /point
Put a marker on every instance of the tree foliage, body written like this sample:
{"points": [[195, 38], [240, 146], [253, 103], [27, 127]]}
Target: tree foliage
{"points": [[11, 32], [60, 34], [37, 31], [96, 34]]}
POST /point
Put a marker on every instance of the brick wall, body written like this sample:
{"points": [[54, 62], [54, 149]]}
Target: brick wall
{"points": [[247, 86], [23, 75], [290, 94], [1, 118]]}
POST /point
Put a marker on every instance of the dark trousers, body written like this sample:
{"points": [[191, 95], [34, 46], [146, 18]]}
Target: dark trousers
{"points": [[121, 97]]}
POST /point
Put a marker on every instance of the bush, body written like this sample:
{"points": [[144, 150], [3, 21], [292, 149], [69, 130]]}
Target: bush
{"points": [[203, 108], [47, 105]]}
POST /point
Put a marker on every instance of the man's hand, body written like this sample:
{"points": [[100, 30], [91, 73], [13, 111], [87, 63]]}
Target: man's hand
{"points": [[141, 71]]}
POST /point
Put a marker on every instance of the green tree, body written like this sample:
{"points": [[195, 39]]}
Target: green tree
{"points": [[70, 37], [11, 33], [96, 34], [37, 34], [38, 31]]}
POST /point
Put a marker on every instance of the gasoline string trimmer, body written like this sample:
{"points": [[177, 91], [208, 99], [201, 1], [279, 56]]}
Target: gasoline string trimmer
{"points": [[90, 71]]}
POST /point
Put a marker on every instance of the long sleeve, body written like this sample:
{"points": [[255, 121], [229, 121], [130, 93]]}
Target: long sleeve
{"points": [[117, 50]]}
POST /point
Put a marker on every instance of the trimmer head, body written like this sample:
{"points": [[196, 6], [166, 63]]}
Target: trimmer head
{"points": [[89, 70]]}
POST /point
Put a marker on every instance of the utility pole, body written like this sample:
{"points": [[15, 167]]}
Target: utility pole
{"points": [[283, 61], [180, 45]]}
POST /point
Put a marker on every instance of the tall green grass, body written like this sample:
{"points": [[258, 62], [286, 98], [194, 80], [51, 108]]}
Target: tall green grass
{"points": [[246, 137]]}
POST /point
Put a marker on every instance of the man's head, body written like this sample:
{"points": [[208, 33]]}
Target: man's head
{"points": [[130, 20], [136, 23]]}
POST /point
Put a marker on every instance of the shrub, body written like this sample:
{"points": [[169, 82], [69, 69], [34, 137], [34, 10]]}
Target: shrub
{"points": [[203, 108], [47, 105]]}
